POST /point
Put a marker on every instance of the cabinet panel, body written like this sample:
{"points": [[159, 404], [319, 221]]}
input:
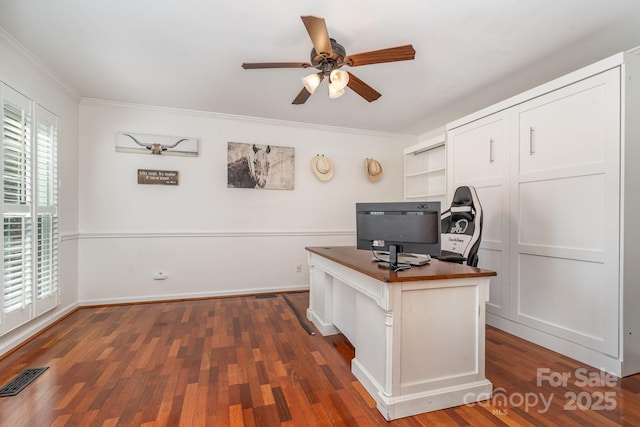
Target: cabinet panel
{"points": [[478, 157], [493, 252], [492, 199], [571, 126], [570, 299], [430, 309], [564, 213], [499, 285]]}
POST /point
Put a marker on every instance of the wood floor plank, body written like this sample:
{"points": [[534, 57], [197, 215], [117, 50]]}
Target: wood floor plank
{"points": [[246, 361]]}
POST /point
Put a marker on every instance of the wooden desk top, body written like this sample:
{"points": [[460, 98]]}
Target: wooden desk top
{"points": [[360, 260]]}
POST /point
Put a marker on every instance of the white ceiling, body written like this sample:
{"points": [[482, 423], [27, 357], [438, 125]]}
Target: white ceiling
{"points": [[187, 53]]}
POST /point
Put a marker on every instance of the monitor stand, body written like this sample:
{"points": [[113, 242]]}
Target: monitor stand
{"points": [[394, 250]]}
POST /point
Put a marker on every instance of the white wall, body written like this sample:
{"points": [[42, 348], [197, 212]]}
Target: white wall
{"points": [[210, 239], [23, 73]]}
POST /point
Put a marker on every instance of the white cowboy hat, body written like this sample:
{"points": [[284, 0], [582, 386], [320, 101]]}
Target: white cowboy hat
{"points": [[322, 167], [374, 169]]}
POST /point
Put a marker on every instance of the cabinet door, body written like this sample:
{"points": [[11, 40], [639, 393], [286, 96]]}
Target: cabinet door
{"points": [[565, 205], [568, 128], [477, 156]]}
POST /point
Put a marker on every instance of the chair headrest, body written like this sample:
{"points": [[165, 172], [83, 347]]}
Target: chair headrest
{"points": [[462, 212], [462, 205]]}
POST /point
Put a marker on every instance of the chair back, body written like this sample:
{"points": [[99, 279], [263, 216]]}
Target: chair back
{"points": [[462, 227]]}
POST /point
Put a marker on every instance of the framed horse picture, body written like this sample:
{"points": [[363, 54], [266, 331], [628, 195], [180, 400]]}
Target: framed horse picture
{"points": [[268, 167]]}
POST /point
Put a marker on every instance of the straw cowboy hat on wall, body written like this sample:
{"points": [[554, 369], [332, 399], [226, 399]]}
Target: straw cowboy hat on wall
{"points": [[322, 167], [374, 169]]}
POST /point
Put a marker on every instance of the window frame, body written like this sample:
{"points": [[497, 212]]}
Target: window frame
{"points": [[30, 261]]}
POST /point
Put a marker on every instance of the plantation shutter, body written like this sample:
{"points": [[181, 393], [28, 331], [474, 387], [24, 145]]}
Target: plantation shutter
{"points": [[29, 209], [17, 209], [17, 154], [46, 208], [17, 263]]}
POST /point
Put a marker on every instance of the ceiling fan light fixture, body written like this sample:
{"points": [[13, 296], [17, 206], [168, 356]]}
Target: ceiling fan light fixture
{"points": [[335, 92], [311, 82], [328, 56], [339, 79]]}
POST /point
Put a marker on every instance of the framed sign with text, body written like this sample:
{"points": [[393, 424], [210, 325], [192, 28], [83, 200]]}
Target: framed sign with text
{"points": [[157, 177]]}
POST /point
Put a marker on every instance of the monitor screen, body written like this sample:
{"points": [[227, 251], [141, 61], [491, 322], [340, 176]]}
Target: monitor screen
{"points": [[409, 227]]}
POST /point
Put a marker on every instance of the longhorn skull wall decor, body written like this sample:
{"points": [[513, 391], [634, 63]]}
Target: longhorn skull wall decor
{"points": [[128, 142]]}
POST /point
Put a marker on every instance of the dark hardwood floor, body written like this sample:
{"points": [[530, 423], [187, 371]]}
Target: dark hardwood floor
{"points": [[246, 361]]}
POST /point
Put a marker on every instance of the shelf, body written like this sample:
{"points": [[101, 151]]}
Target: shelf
{"points": [[427, 172], [423, 146], [421, 196]]}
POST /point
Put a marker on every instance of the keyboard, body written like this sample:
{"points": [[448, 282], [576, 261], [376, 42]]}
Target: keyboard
{"points": [[403, 258]]}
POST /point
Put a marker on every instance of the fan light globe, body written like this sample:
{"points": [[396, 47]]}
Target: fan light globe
{"points": [[335, 92], [339, 78], [311, 82]]}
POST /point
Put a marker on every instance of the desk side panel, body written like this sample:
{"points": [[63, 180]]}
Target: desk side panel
{"points": [[429, 315]]}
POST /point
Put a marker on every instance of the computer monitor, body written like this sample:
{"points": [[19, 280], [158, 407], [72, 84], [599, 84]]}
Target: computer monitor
{"points": [[396, 227]]}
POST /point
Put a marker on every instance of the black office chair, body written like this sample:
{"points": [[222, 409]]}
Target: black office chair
{"points": [[462, 228]]}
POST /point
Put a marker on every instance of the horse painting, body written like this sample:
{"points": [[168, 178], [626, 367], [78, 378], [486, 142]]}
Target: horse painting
{"points": [[268, 167], [250, 171]]}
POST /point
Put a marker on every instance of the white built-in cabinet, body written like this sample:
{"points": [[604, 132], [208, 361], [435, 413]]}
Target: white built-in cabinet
{"points": [[424, 171], [479, 157], [556, 171], [565, 206]]}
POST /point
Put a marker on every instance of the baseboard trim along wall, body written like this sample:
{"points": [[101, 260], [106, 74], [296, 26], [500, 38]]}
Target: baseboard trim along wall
{"points": [[13, 340], [189, 296]]}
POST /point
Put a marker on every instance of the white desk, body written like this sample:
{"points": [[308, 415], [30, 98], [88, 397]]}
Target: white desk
{"points": [[418, 334]]}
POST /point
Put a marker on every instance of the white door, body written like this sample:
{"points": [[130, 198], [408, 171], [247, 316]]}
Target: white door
{"points": [[478, 156], [565, 210]]}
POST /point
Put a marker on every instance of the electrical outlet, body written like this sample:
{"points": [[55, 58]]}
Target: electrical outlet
{"points": [[298, 268], [160, 276]]}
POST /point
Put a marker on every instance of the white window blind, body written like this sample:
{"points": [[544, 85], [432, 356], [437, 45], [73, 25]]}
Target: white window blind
{"points": [[47, 255], [29, 209], [17, 263], [17, 154], [47, 201]]}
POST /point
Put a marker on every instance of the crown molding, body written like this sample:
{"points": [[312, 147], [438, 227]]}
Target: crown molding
{"points": [[38, 63], [252, 119]]}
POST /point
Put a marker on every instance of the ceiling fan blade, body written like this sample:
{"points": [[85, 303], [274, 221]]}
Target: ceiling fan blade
{"points": [[302, 96], [256, 65], [363, 89], [392, 54], [317, 29]]}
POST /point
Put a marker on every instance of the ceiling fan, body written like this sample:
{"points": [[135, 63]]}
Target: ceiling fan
{"points": [[328, 57]]}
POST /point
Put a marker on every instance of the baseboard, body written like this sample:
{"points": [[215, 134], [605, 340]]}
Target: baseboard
{"points": [[189, 296], [25, 333], [559, 345]]}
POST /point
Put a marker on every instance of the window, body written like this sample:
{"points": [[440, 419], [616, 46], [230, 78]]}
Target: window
{"points": [[29, 210]]}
